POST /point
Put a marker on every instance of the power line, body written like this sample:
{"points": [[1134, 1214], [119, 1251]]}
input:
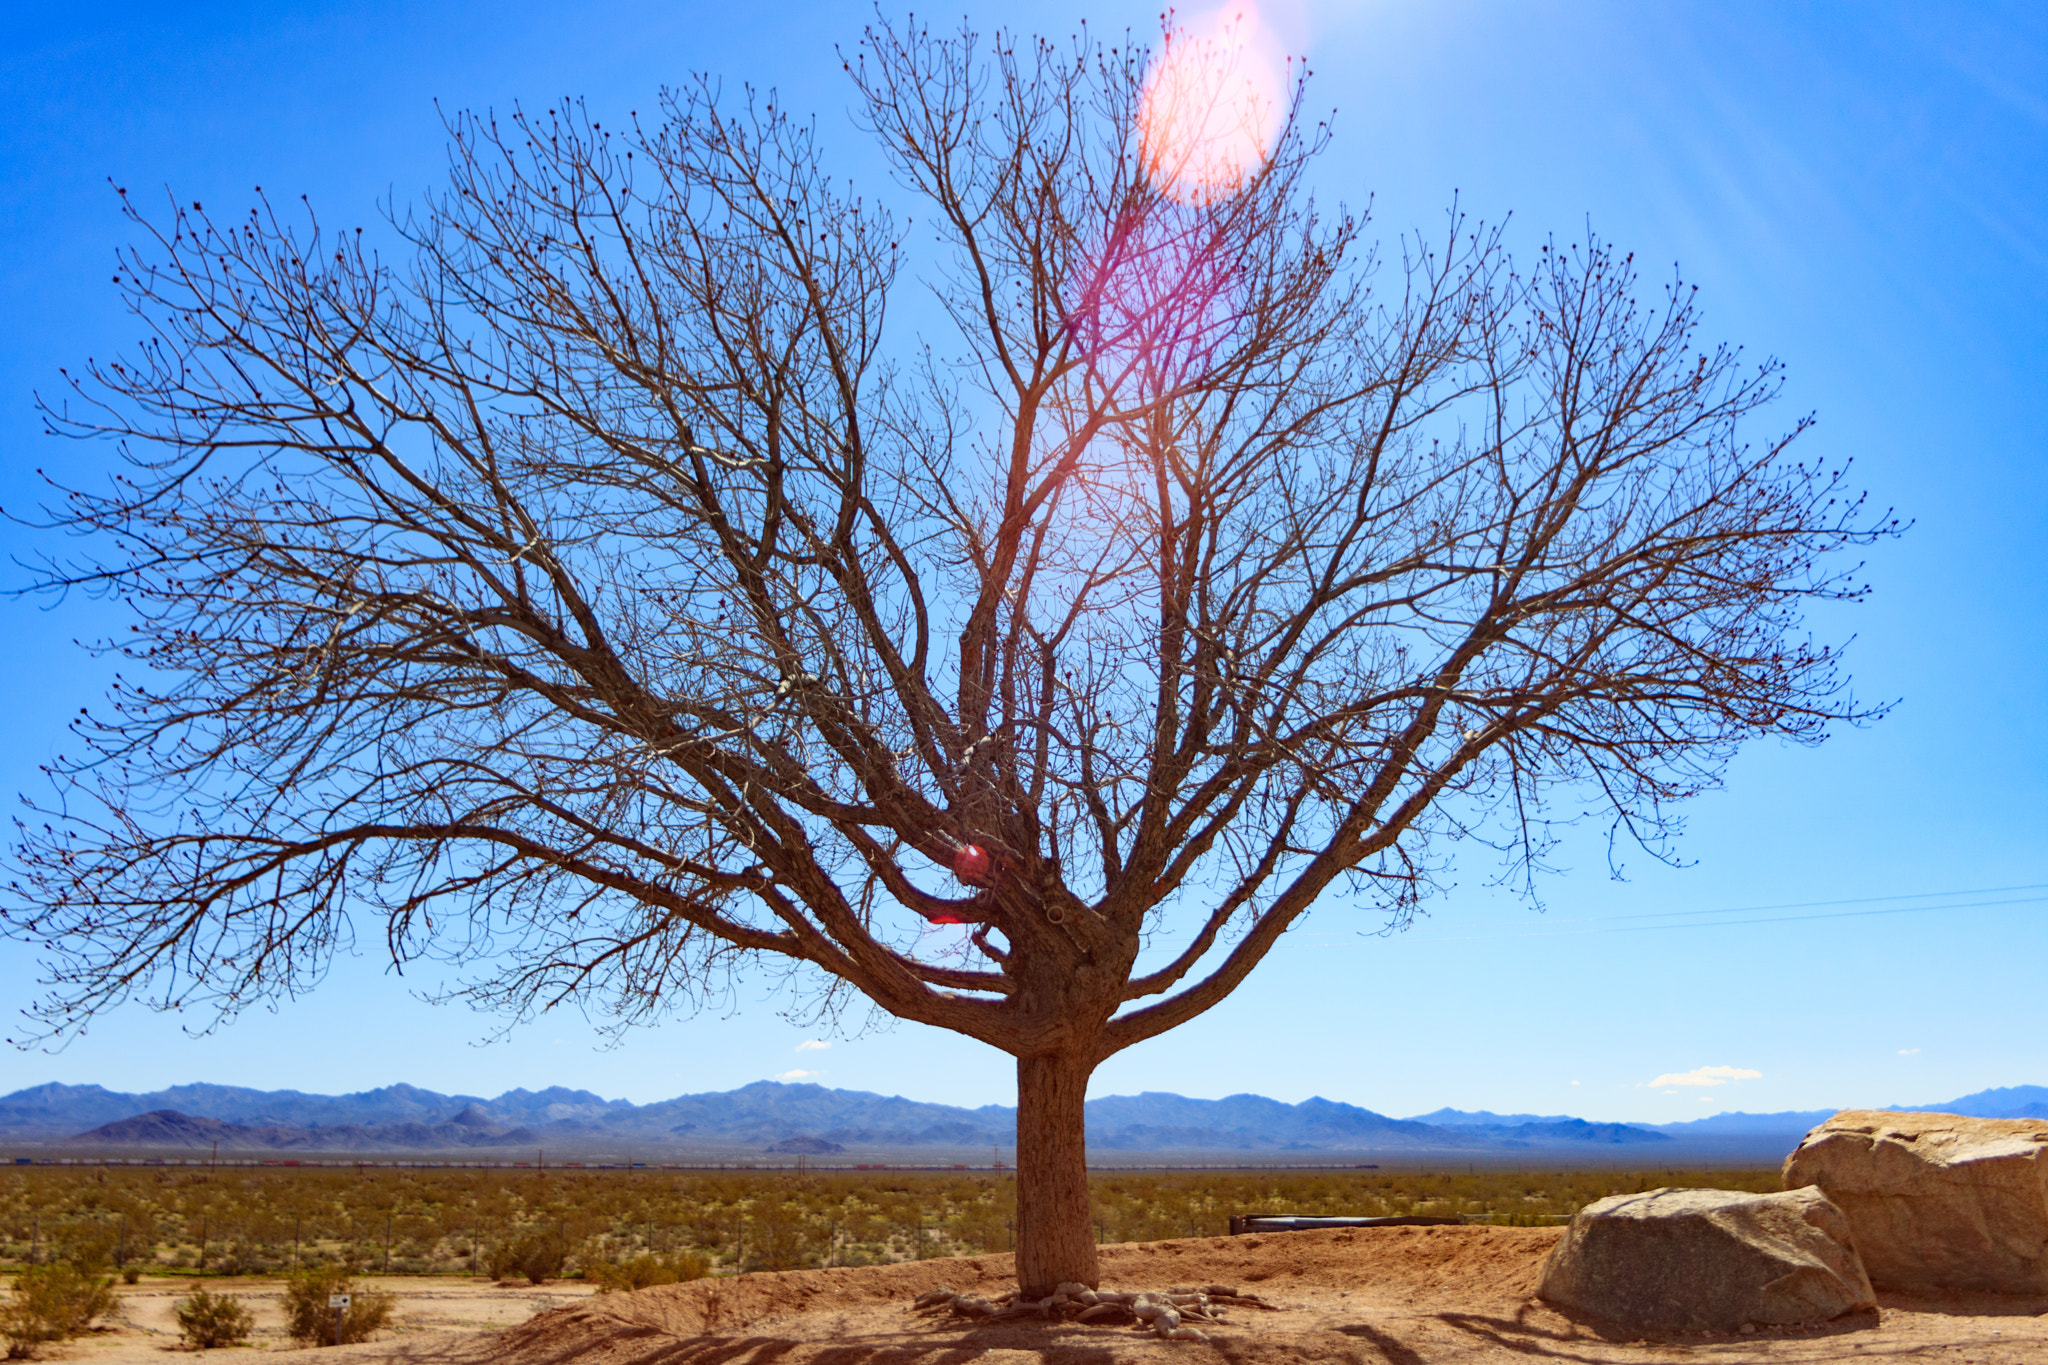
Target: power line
{"points": [[1696, 919], [1839, 914], [1852, 900]]}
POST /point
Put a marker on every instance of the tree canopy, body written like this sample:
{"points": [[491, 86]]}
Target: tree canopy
{"points": [[597, 593]]}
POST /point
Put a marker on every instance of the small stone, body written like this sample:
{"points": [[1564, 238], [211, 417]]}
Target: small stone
{"points": [[1185, 1334], [1749, 1329]]}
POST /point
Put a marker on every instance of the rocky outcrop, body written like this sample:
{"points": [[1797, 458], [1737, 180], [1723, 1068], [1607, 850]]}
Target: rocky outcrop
{"points": [[1936, 1201], [1707, 1261], [803, 1144]]}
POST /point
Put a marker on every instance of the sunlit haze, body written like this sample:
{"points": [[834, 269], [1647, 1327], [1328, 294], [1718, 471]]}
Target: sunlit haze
{"points": [[1214, 99]]}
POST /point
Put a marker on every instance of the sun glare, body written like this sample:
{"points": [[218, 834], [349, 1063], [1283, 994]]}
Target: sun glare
{"points": [[1210, 111]]}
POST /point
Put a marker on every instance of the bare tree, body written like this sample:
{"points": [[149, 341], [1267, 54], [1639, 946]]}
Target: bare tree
{"points": [[594, 600]]}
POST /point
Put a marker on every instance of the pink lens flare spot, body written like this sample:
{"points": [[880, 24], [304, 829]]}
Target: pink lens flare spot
{"points": [[1211, 108], [971, 865]]}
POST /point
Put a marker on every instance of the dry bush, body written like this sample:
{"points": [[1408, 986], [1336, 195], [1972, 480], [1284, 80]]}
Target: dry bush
{"points": [[538, 1256], [718, 1213], [647, 1270], [208, 1320], [51, 1303], [310, 1322]]}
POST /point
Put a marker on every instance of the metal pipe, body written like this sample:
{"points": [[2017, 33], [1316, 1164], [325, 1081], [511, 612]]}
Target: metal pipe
{"points": [[1260, 1222]]}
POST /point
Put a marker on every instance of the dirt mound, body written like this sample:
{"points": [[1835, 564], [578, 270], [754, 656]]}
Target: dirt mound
{"points": [[1345, 1296], [1410, 1262]]}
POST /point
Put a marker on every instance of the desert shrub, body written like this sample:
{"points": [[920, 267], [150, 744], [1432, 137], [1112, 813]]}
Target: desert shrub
{"points": [[210, 1320], [89, 1248], [50, 1303], [310, 1322], [646, 1271], [779, 1237], [740, 1218], [131, 1274], [539, 1257], [242, 1259], [498, 1262]]}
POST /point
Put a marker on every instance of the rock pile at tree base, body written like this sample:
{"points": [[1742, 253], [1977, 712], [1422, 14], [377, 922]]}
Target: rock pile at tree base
{"points": [[1165, 1313]]}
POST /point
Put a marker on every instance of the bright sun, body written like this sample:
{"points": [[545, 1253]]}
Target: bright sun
{"points": [[1210, 111]]}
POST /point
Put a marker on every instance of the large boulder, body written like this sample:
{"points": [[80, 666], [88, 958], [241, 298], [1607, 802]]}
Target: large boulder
{"points": [[1936, 1201], [1707, 1261]]}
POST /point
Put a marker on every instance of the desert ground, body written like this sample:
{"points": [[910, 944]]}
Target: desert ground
{"points": [[1405, 1296]]}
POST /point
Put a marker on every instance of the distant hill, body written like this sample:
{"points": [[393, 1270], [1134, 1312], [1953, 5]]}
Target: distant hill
{"points": [[169, 1128], [1483, 1118], [1791, 1121], [806, 1146], [1787, 1127], [763, 1116], [771, 1116], [60, 1110], [756, 1116], [2011, 1102], [1526, 1130], [1247, 1123]]}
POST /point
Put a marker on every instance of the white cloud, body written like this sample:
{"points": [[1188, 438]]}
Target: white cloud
{"points": [[1574, 1082], [799, 1074], [1909, 1052], [812, 1045], [1706, 1075]]}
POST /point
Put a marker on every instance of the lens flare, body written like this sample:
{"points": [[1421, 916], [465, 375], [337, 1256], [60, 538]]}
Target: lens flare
{"points": [[1154, 302], [1210, 111], [1157, 300]]}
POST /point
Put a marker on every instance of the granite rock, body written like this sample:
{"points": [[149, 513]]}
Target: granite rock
{"points": [[1674, 1260], [1936, 1202]]}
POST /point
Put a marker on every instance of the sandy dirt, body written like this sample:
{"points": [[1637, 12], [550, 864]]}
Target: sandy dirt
{"points": [[443, 1310], [1405, 1296]]}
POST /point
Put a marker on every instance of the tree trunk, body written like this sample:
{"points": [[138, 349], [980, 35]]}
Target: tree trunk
{"points": [[1055, 1237]]}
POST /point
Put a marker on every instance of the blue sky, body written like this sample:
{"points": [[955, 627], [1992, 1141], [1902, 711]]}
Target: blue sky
{"points": [[1860, 189]]}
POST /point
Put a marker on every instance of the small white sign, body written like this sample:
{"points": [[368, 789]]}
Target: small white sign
{"points": [[337, 1300]]}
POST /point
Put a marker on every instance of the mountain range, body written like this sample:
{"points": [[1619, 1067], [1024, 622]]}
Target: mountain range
{"points": [[811, 1118]]}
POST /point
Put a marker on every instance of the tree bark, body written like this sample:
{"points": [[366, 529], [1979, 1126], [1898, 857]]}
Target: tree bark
{"points": [[1055, 1236]]}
